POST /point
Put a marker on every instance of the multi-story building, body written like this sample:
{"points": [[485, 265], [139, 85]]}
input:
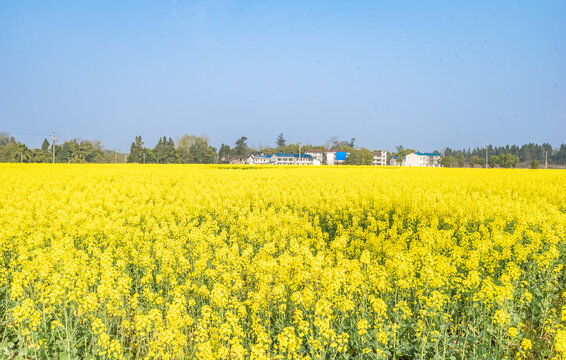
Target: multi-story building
{"points": [[418, 159], [260, 159], [303, 159], [291, 159], [335, 157], [380, 158], [317, 156]]}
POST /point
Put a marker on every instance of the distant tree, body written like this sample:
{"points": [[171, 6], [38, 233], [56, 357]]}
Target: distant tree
{"points": [[40, 156], [6, 139], [535, 164], [195, 149], [281, 140], [241, 146], [508, 160], [474, 160], [159, 150], [170, 155], [461, 160], [447, 161], [45, 145], [150, 156], [165, 151], [224, 150], [136, 151], [560, 155], [352, 142], [202, 153], [14, 152], [359, 157], [493, 161], [289, 148], [186, 141]]}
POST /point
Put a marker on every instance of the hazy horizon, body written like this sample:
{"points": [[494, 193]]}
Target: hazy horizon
{"points": [[424, 75]]}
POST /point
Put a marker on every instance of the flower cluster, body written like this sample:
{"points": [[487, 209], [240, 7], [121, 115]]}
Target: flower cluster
{"points": [[224, 262]]}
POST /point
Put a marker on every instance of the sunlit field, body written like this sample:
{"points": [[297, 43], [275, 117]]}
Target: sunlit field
{"points": [[220, 262]]}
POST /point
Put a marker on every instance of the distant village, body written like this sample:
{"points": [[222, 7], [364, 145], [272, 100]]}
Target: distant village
{"points": [[331, 157], [191, 149]]}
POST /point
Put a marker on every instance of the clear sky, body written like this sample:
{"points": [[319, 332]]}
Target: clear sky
{"points": [[425, 74]]}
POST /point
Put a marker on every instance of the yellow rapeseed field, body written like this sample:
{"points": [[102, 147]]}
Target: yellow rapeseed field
{"points": [[220, 262]]}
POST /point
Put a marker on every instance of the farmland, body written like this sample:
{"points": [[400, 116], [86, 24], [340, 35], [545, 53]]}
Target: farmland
{"points": [[220, 262]]}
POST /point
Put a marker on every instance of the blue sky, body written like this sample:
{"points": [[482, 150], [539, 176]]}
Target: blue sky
{"points": [[422, 74]]}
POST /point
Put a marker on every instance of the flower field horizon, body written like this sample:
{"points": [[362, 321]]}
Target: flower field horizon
{"points": [[269, 262]]}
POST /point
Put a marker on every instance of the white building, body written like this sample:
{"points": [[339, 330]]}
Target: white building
{"points": [[291, 159], [335, 157], [260, 159], [380, 158], [418, 159], [317, 156]]}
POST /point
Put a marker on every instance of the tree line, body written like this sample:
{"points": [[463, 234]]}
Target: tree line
{"points": [[197, 149], [506, 156], [71, 151]]}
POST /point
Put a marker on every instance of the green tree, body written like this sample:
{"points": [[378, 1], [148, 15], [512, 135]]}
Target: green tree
{"points": [[493, 161], [87, 151], [447, 161], [281, 141], [359, 157], [184, 145], [136, 151], [474, 160], [40, 156], [45, 145], [202, 153], [461, 160], [241, 146], [186, 141], [165, 151], [508, 160], [535, 164], [14, 152], [6, 139], [224, 150]]}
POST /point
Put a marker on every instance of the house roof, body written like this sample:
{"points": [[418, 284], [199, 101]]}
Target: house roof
{"points": [[427, 154], [305, 156]]}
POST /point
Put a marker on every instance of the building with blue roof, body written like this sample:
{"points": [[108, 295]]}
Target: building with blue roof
{"points": [[336, 157]]}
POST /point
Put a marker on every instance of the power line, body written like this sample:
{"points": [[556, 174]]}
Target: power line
{"points": [[26, 134]]}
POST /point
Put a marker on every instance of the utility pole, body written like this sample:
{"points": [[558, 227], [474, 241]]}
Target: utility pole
{"points": [[54, 138], [144, 157], [486, 157], [21, 157], [545, 159]]}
